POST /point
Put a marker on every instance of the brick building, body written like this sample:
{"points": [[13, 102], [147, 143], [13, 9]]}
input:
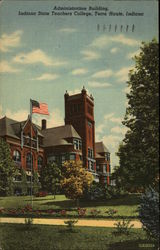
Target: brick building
{"points": [[34, 146]]}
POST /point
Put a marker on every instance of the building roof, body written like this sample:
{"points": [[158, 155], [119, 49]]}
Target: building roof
{"points": [[101, 148], [57, 136], [13, 128]]}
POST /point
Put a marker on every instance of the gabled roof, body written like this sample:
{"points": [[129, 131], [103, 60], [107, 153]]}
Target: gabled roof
{"points": [[13, 128], [58, 135], [7, 127], [101, 148]]}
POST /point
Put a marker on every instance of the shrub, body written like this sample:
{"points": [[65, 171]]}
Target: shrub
{"points": [[123, 227], [95, 212], [70, 224], [149, 212], [81, 211], [41, 194], [111, 211], [95, 192], [28, 222]]}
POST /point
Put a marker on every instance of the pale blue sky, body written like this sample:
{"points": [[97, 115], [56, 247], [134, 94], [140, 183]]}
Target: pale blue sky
{"points": [[42, 56]]}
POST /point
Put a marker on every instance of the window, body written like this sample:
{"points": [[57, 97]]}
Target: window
{"points": [[40, 162], [90, 153], [91, 165], [29, 160], [104, 168], [72, 157], [16, 156], [107, 156], [77, 144]]}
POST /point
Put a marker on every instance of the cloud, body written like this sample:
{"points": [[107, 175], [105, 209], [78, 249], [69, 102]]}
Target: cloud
{"points": [[122, 74], [46, 77], [111, 117], [90, 55], [111, 141], [68, 30], [114, 50], [37, 56], [8, 42], [55, 118], [80, 71], [5, 67], [119, 130], [104, 40], [103, 74], [20, 115], [99, 128], [99, 84], [133, 54]]}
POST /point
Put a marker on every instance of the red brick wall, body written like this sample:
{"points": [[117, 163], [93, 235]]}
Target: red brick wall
{"points": [[80, 119]]}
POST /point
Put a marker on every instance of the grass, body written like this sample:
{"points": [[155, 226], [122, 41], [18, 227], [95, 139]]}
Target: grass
{"points": [[18, 237], [126, 206]]}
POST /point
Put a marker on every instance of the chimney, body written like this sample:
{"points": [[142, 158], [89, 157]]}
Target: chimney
{"points": [[44, 124]]}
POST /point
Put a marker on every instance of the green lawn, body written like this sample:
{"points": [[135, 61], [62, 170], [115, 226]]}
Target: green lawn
{"points": [[17, 237], [125, 206]]}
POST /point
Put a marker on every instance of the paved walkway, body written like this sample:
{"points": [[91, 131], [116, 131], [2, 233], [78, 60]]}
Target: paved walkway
{"points": [[81, 222]]}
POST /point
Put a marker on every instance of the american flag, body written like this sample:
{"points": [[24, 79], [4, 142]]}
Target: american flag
{"points": [[39, 108]]}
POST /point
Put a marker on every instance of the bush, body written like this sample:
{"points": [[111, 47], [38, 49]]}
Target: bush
{"points": [[70, 224], [95, 192], [123, 227], [114, 192], [149, 212]]}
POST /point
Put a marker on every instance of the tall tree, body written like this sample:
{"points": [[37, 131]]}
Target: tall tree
{"points": [[138, 152], [50, 176], [7, 169], [75, 179]]}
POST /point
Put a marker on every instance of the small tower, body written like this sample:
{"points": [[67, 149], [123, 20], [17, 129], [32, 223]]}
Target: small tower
{"points": [[79, 111]]}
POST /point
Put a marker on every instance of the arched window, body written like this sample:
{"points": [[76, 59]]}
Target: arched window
{"points": [[40, 162], [29, 160], [16, 156]]}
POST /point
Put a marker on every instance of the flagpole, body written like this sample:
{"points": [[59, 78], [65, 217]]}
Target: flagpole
{"points": [[31, 153]]}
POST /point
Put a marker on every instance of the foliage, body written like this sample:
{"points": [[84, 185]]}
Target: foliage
{"points": [[149, 212], [123, 227], [50, 177], [138, 153], [95, 192], [28, 222], [75, 179], [70, 224], [111, 212], [7, 169], [20, 187], [36, 183], [114, 192], [81, 211]]}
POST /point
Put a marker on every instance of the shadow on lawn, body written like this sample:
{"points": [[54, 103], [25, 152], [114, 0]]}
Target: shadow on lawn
{"points": [[126, 200], [133, 245]]}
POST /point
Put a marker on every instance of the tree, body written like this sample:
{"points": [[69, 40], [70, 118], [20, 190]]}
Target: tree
{"points": [[149, 212], [75, 179], [36, 183], [7, 169], [50, 176], [138, 153]]}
